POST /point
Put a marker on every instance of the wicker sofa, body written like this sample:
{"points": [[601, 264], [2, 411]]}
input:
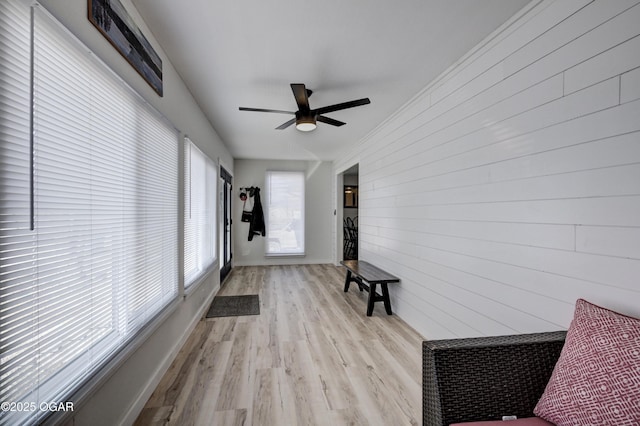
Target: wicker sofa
{"points": [[479, 379]]}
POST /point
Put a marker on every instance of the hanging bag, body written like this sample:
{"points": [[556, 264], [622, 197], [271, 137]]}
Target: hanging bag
{"points": [[246, 211], [246, 216]]}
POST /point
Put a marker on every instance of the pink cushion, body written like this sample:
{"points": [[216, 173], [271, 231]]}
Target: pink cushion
{"points": [[529, 421], [597, 378]]}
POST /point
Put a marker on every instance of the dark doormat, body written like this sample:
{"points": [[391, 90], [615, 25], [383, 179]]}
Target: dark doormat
{"points": [[232, 306]]}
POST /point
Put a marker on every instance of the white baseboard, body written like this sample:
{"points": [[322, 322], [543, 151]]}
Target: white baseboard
{"points": [[134, 411]]}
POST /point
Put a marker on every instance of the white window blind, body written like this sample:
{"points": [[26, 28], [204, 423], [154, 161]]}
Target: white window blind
{"points": [[201, 177], [101, 259], [285, 213]]}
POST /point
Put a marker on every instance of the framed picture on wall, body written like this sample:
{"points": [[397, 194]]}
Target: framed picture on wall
{"points": [[113, 21], [351, 196]]}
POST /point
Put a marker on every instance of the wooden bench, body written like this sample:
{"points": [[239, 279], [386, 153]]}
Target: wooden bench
{"points": [[368, 277]]}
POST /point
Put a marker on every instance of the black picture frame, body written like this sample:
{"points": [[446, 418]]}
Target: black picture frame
{"points": [[351, 196], [117, 26]]}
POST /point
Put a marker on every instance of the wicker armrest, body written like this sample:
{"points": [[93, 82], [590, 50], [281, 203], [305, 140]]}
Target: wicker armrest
{"points": [[486, 378]]}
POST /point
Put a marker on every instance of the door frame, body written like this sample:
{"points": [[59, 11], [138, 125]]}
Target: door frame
{"points": [[226, 221]]}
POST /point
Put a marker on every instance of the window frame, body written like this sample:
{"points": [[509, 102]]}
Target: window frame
{"points": [[294, 223], [192, 278], [144, 314]]}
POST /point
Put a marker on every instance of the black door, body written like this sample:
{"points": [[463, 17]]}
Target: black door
{"points": [[225, 241]]}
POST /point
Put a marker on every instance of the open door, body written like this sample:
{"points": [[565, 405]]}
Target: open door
{"points": [[349, 194], [225, 218]]}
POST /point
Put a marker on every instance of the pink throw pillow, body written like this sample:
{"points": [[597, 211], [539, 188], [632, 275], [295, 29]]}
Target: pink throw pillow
{"points": [[597, 378]]}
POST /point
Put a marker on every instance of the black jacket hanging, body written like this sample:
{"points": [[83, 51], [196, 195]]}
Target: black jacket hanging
{"points": [[256, 226]]}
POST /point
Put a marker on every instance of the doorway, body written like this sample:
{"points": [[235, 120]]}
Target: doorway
{"points": [[225, 223], [349, 203]]}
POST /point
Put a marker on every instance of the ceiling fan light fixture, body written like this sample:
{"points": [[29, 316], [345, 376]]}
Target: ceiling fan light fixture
{"points": [[306, 124], [305, 116]]}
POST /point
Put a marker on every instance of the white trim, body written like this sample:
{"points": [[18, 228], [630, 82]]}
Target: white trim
{"points": [[136, 408], [89, 388]]}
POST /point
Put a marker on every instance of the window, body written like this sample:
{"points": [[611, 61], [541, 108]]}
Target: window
{"points": [[88, 217], [200, 212], [285, 213]]}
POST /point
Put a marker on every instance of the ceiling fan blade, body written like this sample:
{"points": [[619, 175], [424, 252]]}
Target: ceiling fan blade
{"points": [[285, 125], [302, 97], [343, 105], [278, 111], [331, 121]]}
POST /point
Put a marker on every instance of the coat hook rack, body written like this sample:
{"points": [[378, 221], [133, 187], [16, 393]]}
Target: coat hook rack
{"points": [[250, 190]]}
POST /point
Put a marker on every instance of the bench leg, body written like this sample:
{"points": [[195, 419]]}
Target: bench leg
{"points": [[358, 281], [347, 281], [372, 298], [387, 301]]}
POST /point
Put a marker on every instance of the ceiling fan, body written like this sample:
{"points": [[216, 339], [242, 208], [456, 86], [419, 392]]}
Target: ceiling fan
{"points": [[305, 117]]}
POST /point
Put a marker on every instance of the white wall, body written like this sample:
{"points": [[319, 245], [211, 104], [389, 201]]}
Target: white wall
{"points": [[511, 186], [318, 212], [119, 399]]}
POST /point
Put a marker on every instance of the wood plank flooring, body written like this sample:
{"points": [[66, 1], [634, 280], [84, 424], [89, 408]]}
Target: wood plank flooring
{"points": [[312, 357]]}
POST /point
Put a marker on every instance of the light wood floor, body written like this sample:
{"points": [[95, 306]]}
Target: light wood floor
{"points": [[312, 357]]}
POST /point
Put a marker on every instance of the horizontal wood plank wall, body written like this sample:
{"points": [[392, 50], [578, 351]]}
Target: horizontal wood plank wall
{"points": [[510, 186]]}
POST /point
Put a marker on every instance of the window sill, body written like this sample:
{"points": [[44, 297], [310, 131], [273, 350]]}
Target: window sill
{"points": [[193, 286]]}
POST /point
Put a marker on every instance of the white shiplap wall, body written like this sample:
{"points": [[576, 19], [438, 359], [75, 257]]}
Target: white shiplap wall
{"points": [[511, 186]]}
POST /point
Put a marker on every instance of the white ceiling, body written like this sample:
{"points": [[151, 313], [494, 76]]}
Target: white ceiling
{"points": [[234, 53]]}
